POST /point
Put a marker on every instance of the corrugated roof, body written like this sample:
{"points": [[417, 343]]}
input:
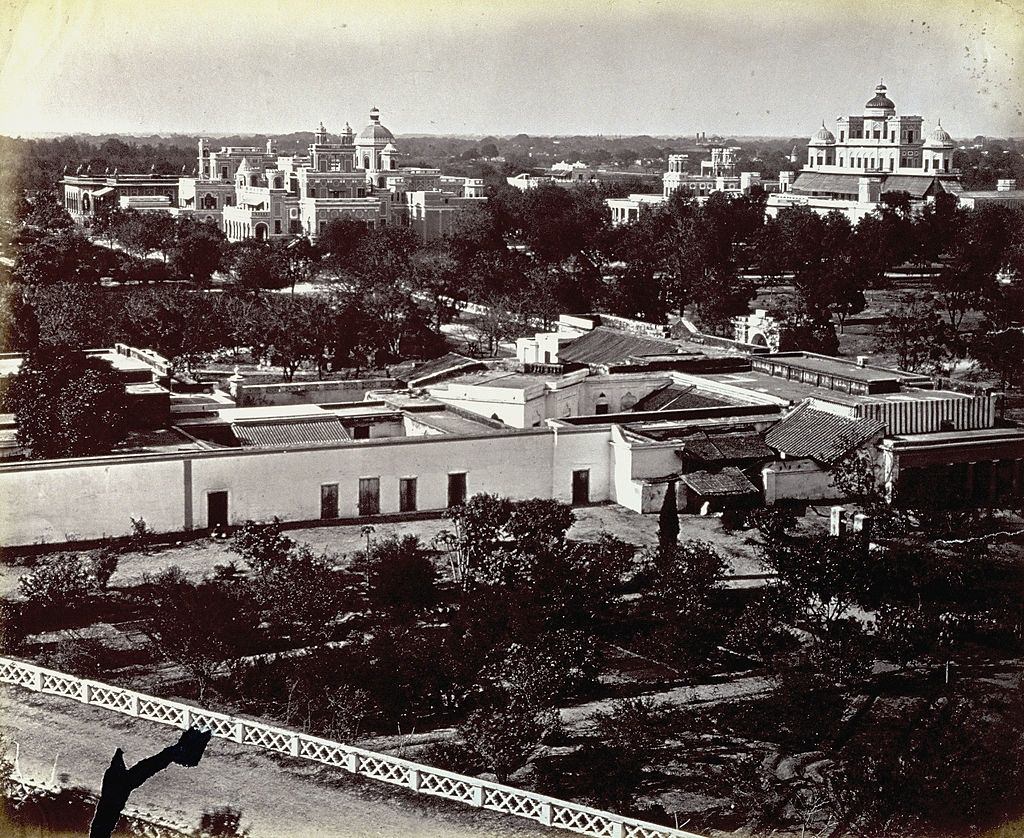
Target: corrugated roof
{"points": [[675, 397], [822, 436], [605, 346], [294, 432], [728, 481]]}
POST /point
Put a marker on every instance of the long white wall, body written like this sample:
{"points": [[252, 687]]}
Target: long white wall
{"points": [[55, 501]]}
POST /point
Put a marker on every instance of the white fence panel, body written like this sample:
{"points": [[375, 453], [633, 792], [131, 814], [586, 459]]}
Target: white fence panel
{"points": [[383, 767]]}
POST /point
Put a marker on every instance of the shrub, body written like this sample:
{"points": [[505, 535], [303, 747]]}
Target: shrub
{"points": [[102, 566], [261, 546], [61, 583]]}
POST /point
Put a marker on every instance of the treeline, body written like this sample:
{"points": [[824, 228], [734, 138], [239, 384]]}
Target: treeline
{"points": [[530, 256]]}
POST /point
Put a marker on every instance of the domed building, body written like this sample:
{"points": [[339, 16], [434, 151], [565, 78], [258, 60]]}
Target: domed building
{"points": [[866, 155], [370, 145]]}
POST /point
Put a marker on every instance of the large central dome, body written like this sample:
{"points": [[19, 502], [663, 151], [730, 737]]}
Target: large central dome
{"points": [[880, 100], [375, 132]]}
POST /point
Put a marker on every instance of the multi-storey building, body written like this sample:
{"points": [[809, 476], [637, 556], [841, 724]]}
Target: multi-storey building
{"points": [[851, 168], [252, 192], [716, 175]]}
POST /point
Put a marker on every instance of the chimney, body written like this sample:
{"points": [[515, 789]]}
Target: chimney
{"points": [[862, 360]]}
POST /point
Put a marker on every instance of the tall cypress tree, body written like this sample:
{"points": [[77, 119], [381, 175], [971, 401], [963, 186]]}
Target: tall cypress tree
{"points": [[668, 518]]}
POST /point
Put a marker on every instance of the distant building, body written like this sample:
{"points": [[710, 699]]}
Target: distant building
{"points": [[86, 194], [252, 192], [716, 175], [1006, 194], [851, 168]]}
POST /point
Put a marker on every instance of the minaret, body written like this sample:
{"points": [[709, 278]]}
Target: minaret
{"points": [[320, 137]]}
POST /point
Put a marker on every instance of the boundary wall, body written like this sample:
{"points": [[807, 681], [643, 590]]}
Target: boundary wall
{"points": [[419, 778], [91, 498]]}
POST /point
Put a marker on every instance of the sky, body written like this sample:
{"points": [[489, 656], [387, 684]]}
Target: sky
{"points": [[659, 67]]}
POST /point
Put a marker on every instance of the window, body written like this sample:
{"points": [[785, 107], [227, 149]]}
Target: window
{"points": [[457, 489], [277, 225], [361, 432], [407, 494], [369, 496], [328, 501], [842, 136]]}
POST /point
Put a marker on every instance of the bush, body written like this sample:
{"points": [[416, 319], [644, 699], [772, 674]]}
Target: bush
{"points": [[61, 583], [102, 566], [261, 545]]}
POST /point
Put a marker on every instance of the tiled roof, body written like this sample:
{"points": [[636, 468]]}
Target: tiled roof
{"points": [[606, 346], [728, 481], [822, 436], [849, 184], [294, 432], [719, 448], [918, 186], [674, 397]]}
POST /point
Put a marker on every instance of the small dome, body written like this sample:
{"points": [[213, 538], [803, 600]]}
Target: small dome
{"points": [[939, 138], [880, 100], [390, 147], [244, 165], [375, 131], [823, 137]]}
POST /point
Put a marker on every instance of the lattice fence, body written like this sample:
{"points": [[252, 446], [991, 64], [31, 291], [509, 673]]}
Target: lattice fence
{"points": [[383, 767]]}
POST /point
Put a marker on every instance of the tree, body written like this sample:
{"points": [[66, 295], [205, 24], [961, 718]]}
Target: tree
{"points": [[668, 518], [1001, 350], [201, 626], [258, 266], [678, 596], [915, 333], [197, 251], [340, 242], [401, 576], [68, 404], [141, 233]]}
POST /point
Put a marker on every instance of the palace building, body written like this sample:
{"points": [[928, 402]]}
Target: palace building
{"points": [[252, 192], [849, 168]]}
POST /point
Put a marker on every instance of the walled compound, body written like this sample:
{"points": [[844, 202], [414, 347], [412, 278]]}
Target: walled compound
{"points": [[613, 411]]}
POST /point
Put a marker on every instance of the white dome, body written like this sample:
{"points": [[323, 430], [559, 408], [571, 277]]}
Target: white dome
{"points": [[939, 138], [823, 137]]}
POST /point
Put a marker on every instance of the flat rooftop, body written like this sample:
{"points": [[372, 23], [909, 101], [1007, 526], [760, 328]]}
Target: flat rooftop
{"points": [[795, 391], [10, 363], [840, 367]]}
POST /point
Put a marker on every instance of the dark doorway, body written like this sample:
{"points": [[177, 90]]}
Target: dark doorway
{"points": [[329, 501], [216, 509], [456, 489], [407, 494], [369, 496], [581, 487]]}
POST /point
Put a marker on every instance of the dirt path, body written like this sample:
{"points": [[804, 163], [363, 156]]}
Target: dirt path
{"points": [[277, 797]]}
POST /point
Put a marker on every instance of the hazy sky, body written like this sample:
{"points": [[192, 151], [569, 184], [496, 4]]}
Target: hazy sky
{"points": [[506, 66]]}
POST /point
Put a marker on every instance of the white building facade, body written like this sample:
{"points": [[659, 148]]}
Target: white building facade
{"points": [[850, 168]]}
